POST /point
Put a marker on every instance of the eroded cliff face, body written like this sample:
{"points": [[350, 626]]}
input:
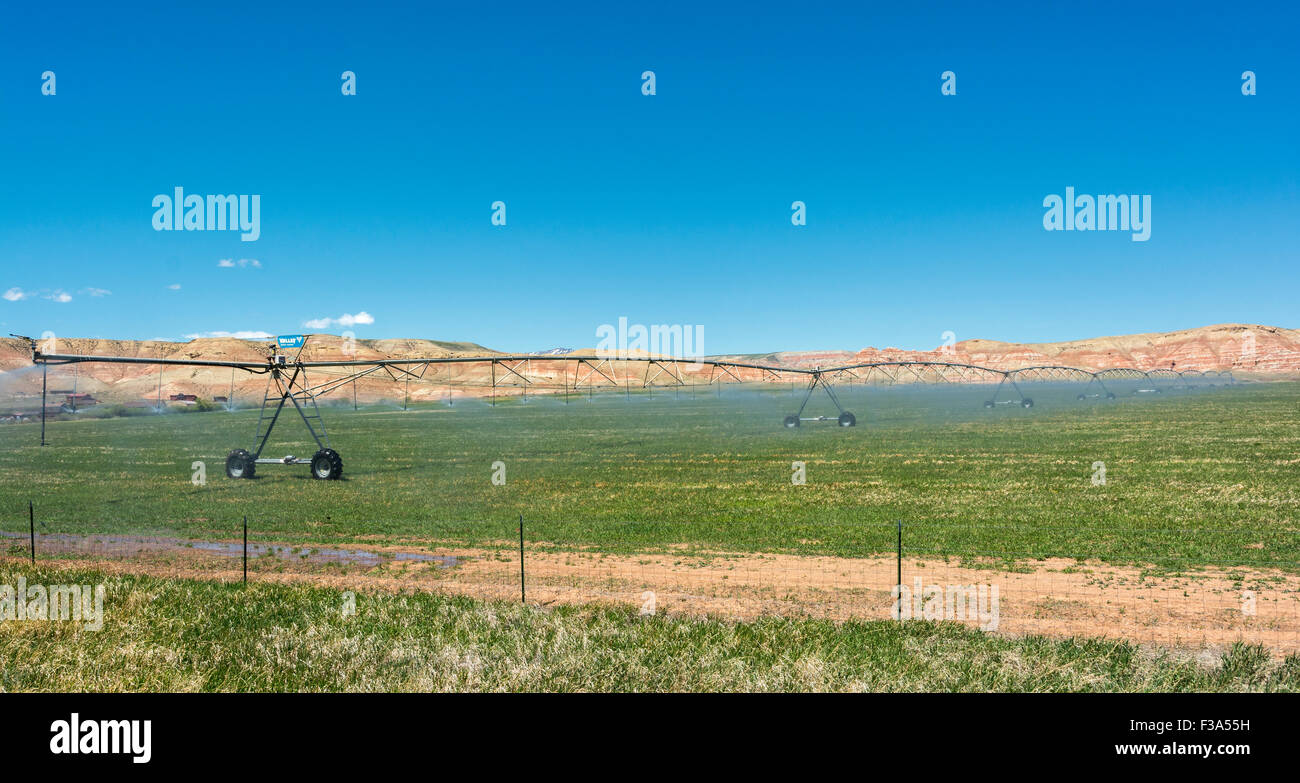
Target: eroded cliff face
{"points": [[131, 383], [1243, 348], [1250, 351]]}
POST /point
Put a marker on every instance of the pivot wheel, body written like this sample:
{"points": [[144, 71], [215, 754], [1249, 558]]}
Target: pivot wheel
{"points": [[1028, 403], [1081, 396], [1110, 395], [988, 403], [791, 421], [847, 419], [326, 464], [240, 464]]}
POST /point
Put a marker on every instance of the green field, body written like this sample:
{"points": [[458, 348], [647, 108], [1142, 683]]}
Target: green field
{"points": [[183, 635], [1195, 476]]}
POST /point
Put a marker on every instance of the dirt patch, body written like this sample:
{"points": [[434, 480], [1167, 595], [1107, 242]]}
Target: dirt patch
{"points": [[1060, 598], [128, 546]]}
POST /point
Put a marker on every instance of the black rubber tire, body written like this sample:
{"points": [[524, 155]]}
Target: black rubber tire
{"points": [[1081, 397], [326, 464], [791, 421], [988, 403], [240, 464], [1110, 395], [1026, 402], [848, 419]]}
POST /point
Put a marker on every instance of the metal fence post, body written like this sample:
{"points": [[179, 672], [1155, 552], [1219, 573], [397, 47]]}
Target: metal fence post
{"points": [[31, 521], [45, 373], [523, 596], [900, 562], [245, 549]]}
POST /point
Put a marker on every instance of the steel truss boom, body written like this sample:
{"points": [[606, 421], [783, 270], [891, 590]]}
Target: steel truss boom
{"points": [[592, 360], [589, 367]]}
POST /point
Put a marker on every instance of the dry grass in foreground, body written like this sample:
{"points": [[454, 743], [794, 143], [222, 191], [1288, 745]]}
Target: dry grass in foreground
{"points": [[193, 635]]}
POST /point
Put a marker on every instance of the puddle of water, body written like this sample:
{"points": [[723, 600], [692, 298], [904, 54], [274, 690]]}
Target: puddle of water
{"points": [[125, 545]]}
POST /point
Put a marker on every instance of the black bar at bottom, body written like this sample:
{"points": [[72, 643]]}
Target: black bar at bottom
{"points": [[1086, 732]]}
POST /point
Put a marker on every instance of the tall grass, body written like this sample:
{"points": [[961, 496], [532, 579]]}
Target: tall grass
{"points": [[182, 635]]}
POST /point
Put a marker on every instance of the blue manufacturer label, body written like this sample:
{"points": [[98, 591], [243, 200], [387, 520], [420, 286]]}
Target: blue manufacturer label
{"points": [[290, 340]]}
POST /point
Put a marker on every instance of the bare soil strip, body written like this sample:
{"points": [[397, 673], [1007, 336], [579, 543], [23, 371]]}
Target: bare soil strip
{"points": [[1209, 608]]}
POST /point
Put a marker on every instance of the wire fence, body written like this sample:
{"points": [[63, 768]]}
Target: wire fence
{"points": [[904, 571]]}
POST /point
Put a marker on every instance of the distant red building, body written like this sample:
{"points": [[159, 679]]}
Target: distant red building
{"points": [[80, 400]]}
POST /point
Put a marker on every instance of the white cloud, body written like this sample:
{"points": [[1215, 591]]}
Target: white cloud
{"points": [[241, 335], [347, 319], [17, 294], [174, 287], [230, 263], [360, 319]]}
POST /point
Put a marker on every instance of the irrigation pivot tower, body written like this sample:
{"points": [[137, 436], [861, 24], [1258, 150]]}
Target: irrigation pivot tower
{"points": [[287, 383], [845, 419]]}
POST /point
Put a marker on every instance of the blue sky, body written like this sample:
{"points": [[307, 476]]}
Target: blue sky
{"points": [[924, 211]]}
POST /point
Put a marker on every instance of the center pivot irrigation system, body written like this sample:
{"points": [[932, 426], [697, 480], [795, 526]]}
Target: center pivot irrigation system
{"points": [[287, 384]]}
